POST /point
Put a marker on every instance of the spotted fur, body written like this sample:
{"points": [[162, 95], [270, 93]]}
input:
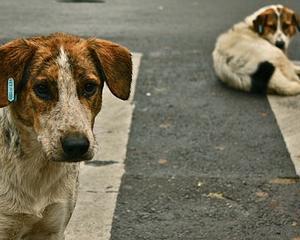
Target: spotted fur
{"points": [[38, 183], [68, 115]]}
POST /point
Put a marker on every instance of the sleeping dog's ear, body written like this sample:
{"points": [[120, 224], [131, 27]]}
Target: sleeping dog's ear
{"points": [[114, 66], [259, 23], [291, 19], [296, 21], [15, 58], [265, 22]]}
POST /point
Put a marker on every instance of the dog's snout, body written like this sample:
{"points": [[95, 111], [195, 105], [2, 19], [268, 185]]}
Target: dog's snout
{"points": [[75, 145], [280, 44]]}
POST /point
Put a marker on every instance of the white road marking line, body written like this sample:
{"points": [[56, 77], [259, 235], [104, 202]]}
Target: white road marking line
{"points": [[287, 113], [99, 186]]}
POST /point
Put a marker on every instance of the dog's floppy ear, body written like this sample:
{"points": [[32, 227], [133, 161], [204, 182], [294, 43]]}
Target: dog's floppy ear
{"points": [[289, 17], [259, 23], [14, 59], [114, 65], [296, 21]]}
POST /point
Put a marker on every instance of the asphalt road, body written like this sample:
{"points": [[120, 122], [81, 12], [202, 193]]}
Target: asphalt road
{"points": [[203, 161]]}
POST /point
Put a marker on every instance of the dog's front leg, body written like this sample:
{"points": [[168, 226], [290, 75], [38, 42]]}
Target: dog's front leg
{"points": [[53, 224]]}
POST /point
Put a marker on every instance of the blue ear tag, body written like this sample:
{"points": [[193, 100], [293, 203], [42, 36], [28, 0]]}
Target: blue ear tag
{"points": [[260, 29], [11, 90]]}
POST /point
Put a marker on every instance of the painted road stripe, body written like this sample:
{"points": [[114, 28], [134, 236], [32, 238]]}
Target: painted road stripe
{"points": [[287, 113], [100, 182]]}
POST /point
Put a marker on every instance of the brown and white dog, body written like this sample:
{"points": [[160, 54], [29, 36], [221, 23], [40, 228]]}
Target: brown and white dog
{"points": [[251, 56], [48, 129]]}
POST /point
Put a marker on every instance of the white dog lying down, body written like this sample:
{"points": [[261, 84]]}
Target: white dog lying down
{"points": [[251, 56]]}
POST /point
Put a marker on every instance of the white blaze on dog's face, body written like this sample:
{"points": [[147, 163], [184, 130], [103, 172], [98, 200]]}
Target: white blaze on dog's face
{"points": [[60, 80], [277, 24], [71, 118]]}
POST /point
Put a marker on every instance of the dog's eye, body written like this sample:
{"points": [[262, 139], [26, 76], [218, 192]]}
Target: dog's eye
{"points": [[89, 89], [43, 91]]}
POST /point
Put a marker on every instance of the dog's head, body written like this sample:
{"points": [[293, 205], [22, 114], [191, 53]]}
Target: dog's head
{"points": [[58, 85], [277, 24]]}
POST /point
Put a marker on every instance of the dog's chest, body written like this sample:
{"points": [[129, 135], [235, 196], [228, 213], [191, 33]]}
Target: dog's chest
{"points": [[43, 205]]}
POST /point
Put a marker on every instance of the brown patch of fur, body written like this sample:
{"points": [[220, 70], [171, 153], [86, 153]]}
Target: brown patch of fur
{"points": [[85, 72], [13, 58], [29, 107], [289, 22], [268, 21], [116, 61]]}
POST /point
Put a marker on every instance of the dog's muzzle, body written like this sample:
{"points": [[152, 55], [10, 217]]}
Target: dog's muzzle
{"points": [[75, 146]]}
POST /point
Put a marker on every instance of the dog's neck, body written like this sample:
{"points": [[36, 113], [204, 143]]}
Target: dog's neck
{"points": [[29, 170], [19, 138]]}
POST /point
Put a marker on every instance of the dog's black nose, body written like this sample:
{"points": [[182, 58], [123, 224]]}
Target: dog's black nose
{"points": [[75, 145], [280, 44]]}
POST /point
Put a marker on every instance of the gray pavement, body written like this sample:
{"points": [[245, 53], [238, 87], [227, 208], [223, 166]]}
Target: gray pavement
{"points": [[203, 161]]}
